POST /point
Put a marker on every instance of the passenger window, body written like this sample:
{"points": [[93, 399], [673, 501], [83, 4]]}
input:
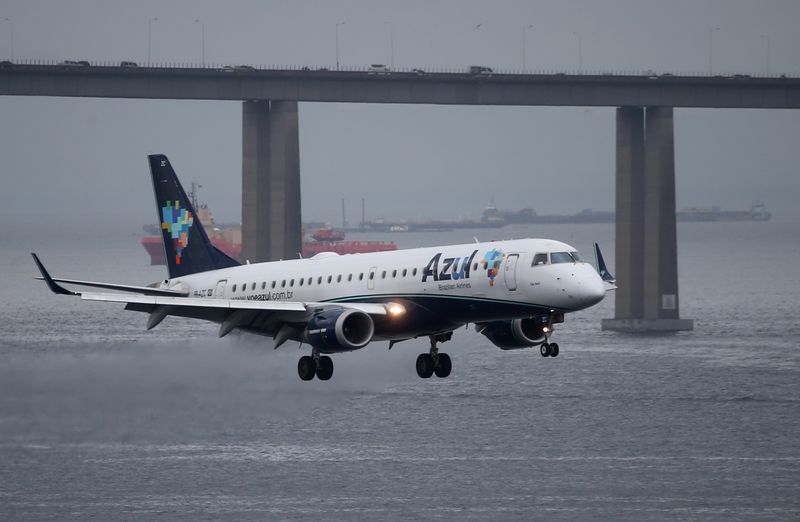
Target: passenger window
{"points": [[539, 259], [361, 276], [383, 274], [233, 289], [474, 267], [291, 282], [253, 286], [274, 283], [301, 281], [309, 280], [405, 271], [371, 275], [263, 284], [561, 257], [319, 280], [414, 272], [283, 283], [349, 277], [394, 273], [330, 278], [339, 278]]}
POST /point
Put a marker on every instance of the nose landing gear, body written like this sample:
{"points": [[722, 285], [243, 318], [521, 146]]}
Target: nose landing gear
{"points": [[434, 362]]}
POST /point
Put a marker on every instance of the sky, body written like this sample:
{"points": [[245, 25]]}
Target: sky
{"points": [[79, 162]]}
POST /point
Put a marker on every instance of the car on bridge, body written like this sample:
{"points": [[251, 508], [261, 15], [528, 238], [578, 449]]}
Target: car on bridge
{"points": [[480, 70], [75, 63], [128, 64], [378, 68]]}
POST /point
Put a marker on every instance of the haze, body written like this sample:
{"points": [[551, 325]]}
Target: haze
{"points": [[82, 162]]}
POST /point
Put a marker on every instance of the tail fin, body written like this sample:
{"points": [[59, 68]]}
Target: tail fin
{"points": [[186, 244]]}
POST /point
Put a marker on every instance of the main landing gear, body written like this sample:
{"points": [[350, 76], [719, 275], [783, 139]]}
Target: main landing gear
{"points": [[315, 364], [548, 349], [433, 361]]}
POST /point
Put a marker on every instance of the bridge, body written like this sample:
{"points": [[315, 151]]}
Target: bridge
{"points": [[646, 239]]}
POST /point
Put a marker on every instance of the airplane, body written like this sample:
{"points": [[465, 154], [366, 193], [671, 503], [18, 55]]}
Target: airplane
{"points": [[514, 291]]}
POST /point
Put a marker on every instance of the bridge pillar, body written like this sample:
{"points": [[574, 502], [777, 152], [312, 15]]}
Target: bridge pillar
{"points": [[271, 222], [646, 238]]}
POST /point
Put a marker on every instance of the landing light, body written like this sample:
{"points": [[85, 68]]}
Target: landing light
{"points": [[396, 309], [546, 329]]}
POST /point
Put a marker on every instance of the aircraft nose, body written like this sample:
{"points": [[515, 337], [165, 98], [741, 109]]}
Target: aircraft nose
{"points": [[592, 289]]}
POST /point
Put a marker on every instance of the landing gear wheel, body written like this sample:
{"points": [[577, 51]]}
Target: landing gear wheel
{"points": [[306, 367], [324, 368], [443, 365], [553, 349], [424, 365], [544, 349]]}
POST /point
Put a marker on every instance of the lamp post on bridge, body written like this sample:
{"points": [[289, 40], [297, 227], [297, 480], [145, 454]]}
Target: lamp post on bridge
{"points": [[202, 40], [149, 37], [391, 43], [337, 43], [524, 46], [11, 28], [711, 49], [766, 38], [580, 51]]}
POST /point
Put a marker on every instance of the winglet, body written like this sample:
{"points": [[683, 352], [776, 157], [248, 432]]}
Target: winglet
{"points": [[54, 287], [601, 266]]}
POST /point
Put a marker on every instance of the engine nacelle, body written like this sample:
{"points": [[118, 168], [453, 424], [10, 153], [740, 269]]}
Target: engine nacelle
{"points": [[339, 330], [517, 333]]}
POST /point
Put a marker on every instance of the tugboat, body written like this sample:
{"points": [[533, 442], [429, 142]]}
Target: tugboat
{"points": [[328, 239]]}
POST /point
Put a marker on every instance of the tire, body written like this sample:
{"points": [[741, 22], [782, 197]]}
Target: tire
{"points": [[544, 349], [424, 365], [443, 365], [324, 368], [554, 350], [306, 367]]}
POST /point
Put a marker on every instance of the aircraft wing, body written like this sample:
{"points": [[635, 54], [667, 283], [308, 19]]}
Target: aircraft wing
{"points": [[264, 317], [258, 316], [232, 304]]}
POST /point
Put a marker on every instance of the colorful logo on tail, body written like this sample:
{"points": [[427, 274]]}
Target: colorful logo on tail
{"points": [[491, 262], [177, 221]]}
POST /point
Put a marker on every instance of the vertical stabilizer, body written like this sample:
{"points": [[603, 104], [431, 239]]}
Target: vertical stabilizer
{"points": [[186, 244]]}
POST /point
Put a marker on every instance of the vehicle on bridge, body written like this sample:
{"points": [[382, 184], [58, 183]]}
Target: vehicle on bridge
{"points": [[480, 69], [75, 63], [513, 291], [378, 68]]}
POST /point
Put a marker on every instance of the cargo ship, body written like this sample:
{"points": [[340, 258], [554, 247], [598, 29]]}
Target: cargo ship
{"points": [[229, 238]]}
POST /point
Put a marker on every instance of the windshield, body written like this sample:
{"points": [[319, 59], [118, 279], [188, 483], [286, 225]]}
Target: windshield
{"points": [[561, 257], [576, 257], [539, 259]]}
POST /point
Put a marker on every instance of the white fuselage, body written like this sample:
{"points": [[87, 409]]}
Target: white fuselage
{"points": [[442, 287]]}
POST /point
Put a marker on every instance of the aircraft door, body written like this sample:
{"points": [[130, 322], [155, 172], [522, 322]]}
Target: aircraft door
{"points": [[511, 271], [371, 278], [219, 292]]}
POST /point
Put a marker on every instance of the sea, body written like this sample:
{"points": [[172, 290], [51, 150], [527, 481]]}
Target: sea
{"points": [[103, 420]]}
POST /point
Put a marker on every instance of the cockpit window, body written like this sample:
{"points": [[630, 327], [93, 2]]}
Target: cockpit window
{"points": [[561, 257], [539, 259], [576, 257]]}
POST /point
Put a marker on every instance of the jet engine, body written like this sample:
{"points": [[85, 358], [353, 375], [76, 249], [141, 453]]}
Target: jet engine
{"points": [[515, 334], [339, 330]]}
